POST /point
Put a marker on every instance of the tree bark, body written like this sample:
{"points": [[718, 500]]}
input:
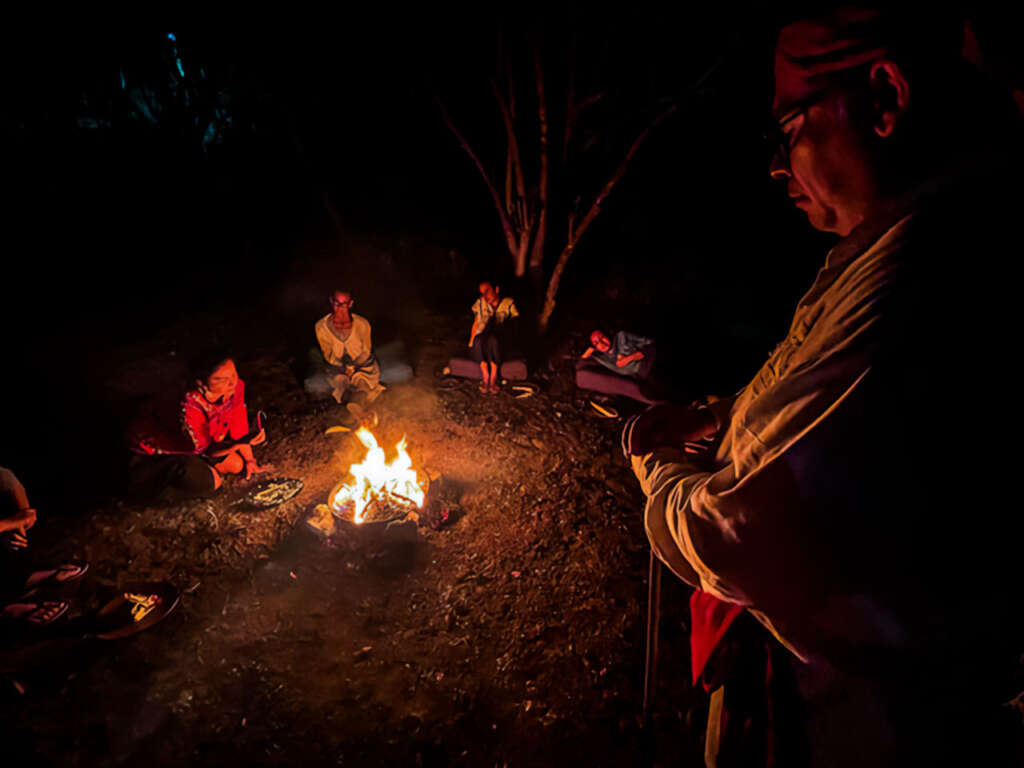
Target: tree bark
{"points": [[575, 232], [540, 236], [521, 221], [513, 142]]}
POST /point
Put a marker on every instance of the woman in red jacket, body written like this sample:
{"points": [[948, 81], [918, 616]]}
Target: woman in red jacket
{"points": [[191, 443]]}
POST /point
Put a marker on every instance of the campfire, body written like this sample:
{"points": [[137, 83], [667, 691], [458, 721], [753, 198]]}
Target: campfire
{"points": [[379, 491], [376, 491]]}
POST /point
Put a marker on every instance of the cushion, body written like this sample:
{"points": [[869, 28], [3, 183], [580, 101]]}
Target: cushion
{"points": [[596, 378], [513, 370]]}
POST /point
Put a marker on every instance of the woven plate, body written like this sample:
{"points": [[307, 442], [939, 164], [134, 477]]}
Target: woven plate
{"points": [[114, 619], [272, 491]]}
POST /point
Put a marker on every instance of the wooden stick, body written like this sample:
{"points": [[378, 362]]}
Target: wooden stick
{"points": [[653, 624]]}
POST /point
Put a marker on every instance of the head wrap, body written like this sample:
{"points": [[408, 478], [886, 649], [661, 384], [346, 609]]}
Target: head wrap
{"points": [[812, 51]]}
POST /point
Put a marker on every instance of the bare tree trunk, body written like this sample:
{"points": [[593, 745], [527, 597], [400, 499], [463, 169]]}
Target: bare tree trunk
{"points": [[521, 214], [537, 256], [575, 232], [506, 225], [513, 142]]}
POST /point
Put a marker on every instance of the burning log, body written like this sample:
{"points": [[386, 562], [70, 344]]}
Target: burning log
{"points": [[379, 488], [380, 495]]}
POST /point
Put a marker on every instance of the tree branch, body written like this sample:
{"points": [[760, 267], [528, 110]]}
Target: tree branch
{"points": [[506, 225], [537, 255], [577, 231], [513, 143]]}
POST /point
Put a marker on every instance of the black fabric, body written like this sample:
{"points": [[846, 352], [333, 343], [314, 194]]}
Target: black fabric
{"points": [[149, 476], [15, 568], [497, 342], [486, 347]]}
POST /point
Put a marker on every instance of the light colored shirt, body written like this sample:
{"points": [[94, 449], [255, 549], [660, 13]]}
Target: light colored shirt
{"points": [[357, 346], [483, 312], [748, 531], [623, 345]]}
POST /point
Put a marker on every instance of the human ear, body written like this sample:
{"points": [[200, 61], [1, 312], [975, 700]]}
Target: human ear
{"points": [[891, 95]]}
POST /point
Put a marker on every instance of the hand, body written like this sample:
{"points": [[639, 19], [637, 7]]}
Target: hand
{"points": [[18, 540], [261, 437], [667, 426]]}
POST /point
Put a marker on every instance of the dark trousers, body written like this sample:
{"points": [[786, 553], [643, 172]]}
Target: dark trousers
{"points": [[487, 347], [15, 567]]}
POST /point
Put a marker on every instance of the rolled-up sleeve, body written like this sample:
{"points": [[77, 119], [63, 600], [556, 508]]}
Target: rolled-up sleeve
{"points": [[12, 488]]}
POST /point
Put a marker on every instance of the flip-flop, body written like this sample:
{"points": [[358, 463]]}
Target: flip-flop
{"points": [[42, 614], [604, 411], [71, 570], [522, 390]]}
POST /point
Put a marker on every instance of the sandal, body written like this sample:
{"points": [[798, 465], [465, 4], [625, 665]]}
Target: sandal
{"points": [[484, 389], [59, 575], [36, 614]]}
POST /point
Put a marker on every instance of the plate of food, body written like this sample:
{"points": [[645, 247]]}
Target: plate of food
{"points": [[273, 491], [136, 607]]}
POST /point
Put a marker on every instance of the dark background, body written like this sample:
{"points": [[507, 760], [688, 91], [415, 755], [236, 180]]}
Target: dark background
{"points": [[123, 231]]}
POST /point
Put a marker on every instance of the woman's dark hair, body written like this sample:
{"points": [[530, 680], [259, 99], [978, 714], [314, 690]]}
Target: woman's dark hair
{"points": [[202, 366]]}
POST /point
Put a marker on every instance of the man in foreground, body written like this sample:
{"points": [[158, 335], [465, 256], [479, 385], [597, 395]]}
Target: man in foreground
{"points": [[860, 502]]}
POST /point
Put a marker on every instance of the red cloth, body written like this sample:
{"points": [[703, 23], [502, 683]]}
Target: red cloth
{"points": [[710, 619], [191, 425]]}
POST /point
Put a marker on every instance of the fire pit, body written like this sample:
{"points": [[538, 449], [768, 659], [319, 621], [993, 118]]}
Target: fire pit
{"points": [[380, 495]]}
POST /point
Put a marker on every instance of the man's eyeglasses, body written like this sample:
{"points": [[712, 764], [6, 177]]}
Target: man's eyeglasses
{"points": [[337, 303], [775, 138]]}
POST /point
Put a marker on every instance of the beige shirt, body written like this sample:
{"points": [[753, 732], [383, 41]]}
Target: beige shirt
{"points": [[482, 312], [358, 345], [746, 531]]}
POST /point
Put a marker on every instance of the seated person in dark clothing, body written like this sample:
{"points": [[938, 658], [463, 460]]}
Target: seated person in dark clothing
{"points": [[492, 338], [17, 582], [627, 354], [191, 442]]}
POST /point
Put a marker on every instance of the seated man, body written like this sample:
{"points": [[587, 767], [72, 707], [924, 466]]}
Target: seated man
{"points": [[626, 355], [16, 582], [345, 366]]}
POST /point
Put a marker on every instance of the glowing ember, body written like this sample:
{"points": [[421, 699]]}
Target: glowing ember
{"points": [[376, 481]]}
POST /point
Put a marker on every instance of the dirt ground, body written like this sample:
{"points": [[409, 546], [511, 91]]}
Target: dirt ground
{"points": [[512, 636]]}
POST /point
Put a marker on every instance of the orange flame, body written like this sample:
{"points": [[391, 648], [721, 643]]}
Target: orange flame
{"points": [[374, 476]]}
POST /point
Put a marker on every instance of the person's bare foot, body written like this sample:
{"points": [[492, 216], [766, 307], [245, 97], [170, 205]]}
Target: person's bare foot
{"points": [[494, 389], [484, 389]]}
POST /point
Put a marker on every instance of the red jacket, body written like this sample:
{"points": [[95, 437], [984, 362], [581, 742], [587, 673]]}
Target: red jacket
{"points": [[191, 425]]}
